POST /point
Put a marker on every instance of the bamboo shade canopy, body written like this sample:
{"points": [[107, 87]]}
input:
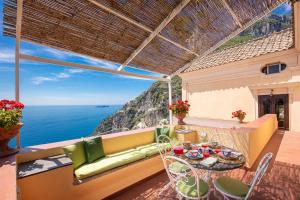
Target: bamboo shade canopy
{"points": [[113, 30]]}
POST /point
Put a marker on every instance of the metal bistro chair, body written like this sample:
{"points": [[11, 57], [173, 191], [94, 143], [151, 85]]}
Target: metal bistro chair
{"points": [[236, 189], [188, 184], [165, 145]]}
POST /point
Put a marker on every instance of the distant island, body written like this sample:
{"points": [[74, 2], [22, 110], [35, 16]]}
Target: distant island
{"points": [[102, 106]]}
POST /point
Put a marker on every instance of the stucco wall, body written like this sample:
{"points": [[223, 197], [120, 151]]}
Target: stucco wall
{"points": [[218, 101], [295, 109]]}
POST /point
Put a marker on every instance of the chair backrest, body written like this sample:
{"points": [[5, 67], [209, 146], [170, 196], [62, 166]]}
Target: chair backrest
{"points": [[162, 142], [185, 176], [260, 171], [225, 139]]}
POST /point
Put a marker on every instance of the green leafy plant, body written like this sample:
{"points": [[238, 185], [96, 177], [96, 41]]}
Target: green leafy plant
{"points": [[10, 113]]}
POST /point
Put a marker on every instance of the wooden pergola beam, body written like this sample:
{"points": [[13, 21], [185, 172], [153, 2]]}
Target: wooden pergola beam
{"points": [[153, 34], [234, 16], [89, 67], [140, 25]]}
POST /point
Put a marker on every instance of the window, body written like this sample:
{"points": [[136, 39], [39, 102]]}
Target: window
{"points": [[273, 68]]}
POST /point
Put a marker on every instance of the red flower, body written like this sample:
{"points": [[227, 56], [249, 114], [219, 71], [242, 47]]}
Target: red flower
{"points": [[11, 102], [19, 105], [1, 105], [5, 101]]}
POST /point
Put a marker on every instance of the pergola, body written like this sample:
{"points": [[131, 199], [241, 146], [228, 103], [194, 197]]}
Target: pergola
{"points": [[162, 36]]}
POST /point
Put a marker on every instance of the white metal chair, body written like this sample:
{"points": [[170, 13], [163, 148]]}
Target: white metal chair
{"points": [[188, 184], [236, 189], [165, 145], [225, 139]]}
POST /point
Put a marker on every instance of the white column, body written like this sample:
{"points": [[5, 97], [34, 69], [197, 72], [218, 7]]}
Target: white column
{"points": [[170, 101], [17, 58]]}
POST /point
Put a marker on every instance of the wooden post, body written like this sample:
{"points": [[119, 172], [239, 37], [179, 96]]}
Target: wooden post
{"points": [[170, 101], [17, 58], [297, 24]]}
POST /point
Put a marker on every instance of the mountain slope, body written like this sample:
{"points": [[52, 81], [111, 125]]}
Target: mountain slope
{"points": [[147, 109], [272, 23]]}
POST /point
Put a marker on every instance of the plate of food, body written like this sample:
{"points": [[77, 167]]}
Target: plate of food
{"points": [[193, 154]]}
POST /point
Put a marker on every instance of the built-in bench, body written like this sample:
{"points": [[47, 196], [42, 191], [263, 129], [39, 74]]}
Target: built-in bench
{"points": [[42, 175]]}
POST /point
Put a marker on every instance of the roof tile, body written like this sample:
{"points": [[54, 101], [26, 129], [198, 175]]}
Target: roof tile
{"points": [[278, 41]]}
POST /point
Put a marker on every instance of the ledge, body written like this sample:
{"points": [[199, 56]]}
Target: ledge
{"points": [[42, 165]]}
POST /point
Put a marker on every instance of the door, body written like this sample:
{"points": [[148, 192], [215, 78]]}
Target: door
{"points": [[275, 104]]}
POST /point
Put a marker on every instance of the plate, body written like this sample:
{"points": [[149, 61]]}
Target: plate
{"points": [[189, 156]]}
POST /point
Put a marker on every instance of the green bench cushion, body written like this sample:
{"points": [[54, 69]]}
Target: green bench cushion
{"points": [[76, 153], [188, 187], [107, 163], [232, 186], [151, 149], [120, 153], [93, 149], [162, 131]]}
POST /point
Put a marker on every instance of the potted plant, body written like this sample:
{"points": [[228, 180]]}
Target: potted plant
{"points": [[10, 115], [180, 109], [240, 115]]}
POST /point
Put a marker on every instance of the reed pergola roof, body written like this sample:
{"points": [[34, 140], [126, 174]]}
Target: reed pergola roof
{"points": [[157, 35]]}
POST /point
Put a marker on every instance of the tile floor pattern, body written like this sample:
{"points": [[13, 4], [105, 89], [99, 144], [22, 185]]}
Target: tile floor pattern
{"points": [[281, 182], [282, 175]]}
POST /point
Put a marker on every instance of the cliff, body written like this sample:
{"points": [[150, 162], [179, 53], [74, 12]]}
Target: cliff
{"points": [[146, 110], [272, 23]]}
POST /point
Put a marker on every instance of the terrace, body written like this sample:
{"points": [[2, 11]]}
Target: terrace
{"points": [[163, 37]]}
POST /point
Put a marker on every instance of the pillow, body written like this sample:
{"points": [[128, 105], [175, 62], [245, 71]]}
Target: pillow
{"points": [[76, 153], [94, 149], [161, 131]]}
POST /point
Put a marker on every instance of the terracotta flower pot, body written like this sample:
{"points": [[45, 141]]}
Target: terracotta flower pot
{"points": [[241, 119], [5, 137], [180, 118]]}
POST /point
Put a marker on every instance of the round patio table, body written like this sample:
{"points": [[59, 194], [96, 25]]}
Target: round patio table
{"points": [[221, 165]]}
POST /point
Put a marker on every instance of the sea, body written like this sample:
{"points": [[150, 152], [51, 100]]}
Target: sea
{"points": [[47, 124]]}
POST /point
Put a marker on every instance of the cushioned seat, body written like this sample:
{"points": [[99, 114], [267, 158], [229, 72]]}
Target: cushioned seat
{"points": [[107, 163], [151, 149], [177, 167], [188, 187], [232, 187]]}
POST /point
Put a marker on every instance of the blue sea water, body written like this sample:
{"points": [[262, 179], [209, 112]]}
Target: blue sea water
{"points": [[46, 124]]}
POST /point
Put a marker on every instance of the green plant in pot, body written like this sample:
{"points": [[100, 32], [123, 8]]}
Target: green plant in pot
{"points": [[180, 109], [10, 115]]}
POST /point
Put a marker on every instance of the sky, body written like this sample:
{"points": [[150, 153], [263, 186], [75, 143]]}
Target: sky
{"points": [[44, 84]]}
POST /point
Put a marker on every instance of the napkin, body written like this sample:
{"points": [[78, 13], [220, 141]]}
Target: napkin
{"points": [[208, 162]]}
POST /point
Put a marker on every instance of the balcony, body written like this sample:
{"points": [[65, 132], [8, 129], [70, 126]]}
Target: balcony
{"points": [[164, 37], [144, 179]]}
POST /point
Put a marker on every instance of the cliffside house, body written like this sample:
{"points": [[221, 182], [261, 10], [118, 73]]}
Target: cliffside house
{"points": [[167, 37]]}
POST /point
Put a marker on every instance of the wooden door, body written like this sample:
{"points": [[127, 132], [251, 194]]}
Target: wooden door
{"points": [[275, 104]]}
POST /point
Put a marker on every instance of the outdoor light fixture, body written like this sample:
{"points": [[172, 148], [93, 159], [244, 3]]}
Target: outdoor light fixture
{"points": [[271, 93]]}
